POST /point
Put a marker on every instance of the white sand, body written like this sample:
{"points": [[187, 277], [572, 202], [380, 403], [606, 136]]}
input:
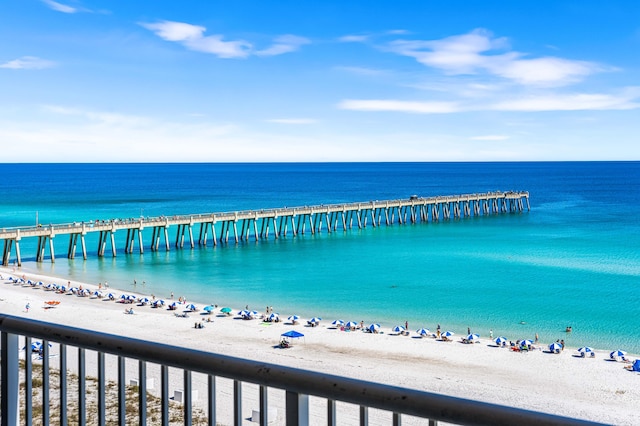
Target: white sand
{"points": [[594, 389]]}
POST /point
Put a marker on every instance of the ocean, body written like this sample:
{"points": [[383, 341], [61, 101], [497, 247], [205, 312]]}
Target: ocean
{"points": [[572, 260]]}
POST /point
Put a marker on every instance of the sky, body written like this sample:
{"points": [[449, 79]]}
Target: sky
{"points": [[333, 80]]}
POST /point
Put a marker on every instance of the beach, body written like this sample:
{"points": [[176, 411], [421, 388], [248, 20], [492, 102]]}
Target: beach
{"points": [[597, 389]]}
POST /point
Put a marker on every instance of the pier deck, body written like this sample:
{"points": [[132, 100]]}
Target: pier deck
{"points": [[259, 224]]}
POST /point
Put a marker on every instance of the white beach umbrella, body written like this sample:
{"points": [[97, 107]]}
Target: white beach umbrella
{"points": [[398, 329], [448, 334], [473, 337], [338, 322], [373, 328], [273, 317], [500, 340], [423, 332], [144, 300], [351, 324], [97, 293], [617, 354], [191, 307], [585, 350], [293, 318], [555, 347], [315, 320], [526, 342]]}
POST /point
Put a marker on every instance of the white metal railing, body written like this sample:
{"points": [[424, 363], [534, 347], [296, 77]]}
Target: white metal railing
{"points": [[297, 384]]}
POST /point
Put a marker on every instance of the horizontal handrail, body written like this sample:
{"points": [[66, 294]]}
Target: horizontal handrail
{"points": [[368, 394]]}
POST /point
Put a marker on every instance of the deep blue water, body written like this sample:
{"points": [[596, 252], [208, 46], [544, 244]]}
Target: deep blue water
{"points": [[574, 259]]}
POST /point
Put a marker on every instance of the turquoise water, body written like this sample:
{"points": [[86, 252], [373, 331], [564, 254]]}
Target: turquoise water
{"points": [[574, 259]]}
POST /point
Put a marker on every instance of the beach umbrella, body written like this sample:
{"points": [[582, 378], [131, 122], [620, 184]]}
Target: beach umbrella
{"points": [[144, 300], [191, 307], [448, 334], [398, 329], [526, 342], [500, 340], [37, 346], [338, 322], [157, 303], [243, 312], [473, 337], [225, 310], [351, 324], [97, 293], [293, 334], [254, 314], [50, 286], [208, 308], [373, 328], [555, 347], [315, 320], [73, 290], [617, 354], [423, 332], [293, 318], [585, 350], [274, 317], [111, 296]]}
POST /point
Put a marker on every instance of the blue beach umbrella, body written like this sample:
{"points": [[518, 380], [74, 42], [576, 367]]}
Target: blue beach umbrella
{"points": [[225, 310], [273, 317], [111, 296], [191, 307], [617, 354], [473, 337], [208, 308], [448, 334], [293, 334], [423, 332], [351, 324], [500, 340], [97, 293], [338, 322], [586, 350], [315, 320], [555, 347], [526, 342], [143, 301], [293, 318], [374, 328], [398, 329]]}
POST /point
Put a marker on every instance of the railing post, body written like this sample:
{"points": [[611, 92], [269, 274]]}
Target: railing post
{"points": [[364, 416], [212, 400], [264, 406], [164, 400], [10, 387], [63, 385], [297, 409], [28, 384], [122, 395], [331, 412], [142, 392], [187, 397], [101, 388], [237, 403], [82, 403]]}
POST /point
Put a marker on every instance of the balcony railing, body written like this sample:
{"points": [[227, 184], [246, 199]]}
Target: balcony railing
{"points": [[298, 385]]}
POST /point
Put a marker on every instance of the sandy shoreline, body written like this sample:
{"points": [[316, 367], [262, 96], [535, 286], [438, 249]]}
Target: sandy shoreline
{"points": [[594, 389]]}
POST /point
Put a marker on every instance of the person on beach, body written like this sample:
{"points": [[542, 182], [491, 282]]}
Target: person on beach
{"points": [[406, 325], [468, 330], [491, 334], [536, 339], [26, 308], [171, 295]]}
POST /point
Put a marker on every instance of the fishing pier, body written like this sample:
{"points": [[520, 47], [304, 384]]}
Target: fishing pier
{"points": [[256, 224]]}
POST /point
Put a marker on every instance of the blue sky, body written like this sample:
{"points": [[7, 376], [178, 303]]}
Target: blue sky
{"points": [[219, 81]]}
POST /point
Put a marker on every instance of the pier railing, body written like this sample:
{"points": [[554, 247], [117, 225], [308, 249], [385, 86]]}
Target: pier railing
{"points": [[298, 385], [258, 224]]}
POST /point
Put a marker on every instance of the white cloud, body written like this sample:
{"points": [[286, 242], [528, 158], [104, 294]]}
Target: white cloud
{"points": [[292, 120], [571, 102], [28, 63], [284, 44], [625, 100], [353, 38], [489, 138], [59, 7], [480, 52], [193, 38], [399, 106], [98, 117], [361, 70]]}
